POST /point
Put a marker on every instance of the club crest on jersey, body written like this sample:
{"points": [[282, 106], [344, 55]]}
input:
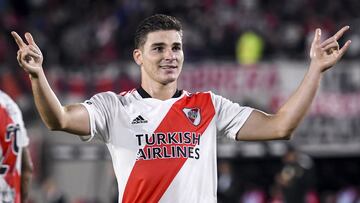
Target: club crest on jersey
{"points": [[193, 114]]}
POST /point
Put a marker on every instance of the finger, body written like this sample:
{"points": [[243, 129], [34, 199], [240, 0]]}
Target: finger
{"points": [[327, 42], [18, 57], [25, 58], [335, 37], [18, 40], [30, 53], [30, 39], [333, 45], [34, 54], [21, 59], [344, 48], [341, 32], [317, 36], [35, 49]]}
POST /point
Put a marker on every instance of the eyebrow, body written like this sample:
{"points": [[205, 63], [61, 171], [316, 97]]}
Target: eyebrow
{"points": [[163, 44]]}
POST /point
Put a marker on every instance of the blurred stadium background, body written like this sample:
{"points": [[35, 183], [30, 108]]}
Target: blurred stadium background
{"points": [[251, 51]]}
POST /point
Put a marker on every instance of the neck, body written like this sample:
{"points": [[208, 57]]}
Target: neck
{"points": [[160, 91]]}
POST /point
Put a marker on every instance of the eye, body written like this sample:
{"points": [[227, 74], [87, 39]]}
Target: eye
{"points": [[176, 48], [158, 49]]}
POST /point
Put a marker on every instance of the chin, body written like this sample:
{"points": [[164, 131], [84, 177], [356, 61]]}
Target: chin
{"points": [[168, 80]]}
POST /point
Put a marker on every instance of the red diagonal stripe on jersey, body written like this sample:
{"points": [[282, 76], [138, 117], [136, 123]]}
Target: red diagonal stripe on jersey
{"points": [[149, 179]]}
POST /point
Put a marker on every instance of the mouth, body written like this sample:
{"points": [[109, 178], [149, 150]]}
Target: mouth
{"points": [[168, 66]]}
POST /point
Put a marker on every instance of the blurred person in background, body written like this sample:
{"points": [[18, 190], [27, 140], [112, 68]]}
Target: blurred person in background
{"points": [[162, 140], [297, 177], [52, 193], [16, 166], [228, 190]]}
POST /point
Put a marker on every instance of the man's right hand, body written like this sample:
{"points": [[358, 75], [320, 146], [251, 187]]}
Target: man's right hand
{"points": [[29, 55]]}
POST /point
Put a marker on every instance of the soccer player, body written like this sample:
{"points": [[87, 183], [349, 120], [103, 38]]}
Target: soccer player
{"points": [[162, 140], [16, 166]]}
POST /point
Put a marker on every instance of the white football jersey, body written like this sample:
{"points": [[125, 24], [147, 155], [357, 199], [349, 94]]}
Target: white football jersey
{"points": [[13, 138], [164, 151]]}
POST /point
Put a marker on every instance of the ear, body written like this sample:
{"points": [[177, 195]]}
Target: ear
{"points": [[137, 54]]}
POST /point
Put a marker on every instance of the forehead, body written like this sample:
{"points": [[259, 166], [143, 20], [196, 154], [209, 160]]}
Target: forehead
{"points": [[163, 36]]}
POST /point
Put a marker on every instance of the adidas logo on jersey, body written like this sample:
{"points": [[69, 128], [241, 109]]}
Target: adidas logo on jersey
{"points": [[138, 120]]}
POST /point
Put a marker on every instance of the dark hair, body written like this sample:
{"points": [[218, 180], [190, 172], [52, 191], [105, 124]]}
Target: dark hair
{"points": [[155, 23]]}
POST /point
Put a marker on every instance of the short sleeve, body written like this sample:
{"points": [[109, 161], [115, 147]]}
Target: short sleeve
{"points": [[101, 109], [230, 116]]}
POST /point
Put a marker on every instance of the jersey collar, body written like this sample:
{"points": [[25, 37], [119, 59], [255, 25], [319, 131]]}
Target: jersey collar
{"points": [[144, 94]]}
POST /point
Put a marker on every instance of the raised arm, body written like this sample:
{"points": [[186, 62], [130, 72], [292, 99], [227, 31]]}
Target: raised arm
{"points": [[72, 118], [262, 126]]}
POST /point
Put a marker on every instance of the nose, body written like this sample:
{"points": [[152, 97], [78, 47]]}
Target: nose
{"points": [[169, 55]]}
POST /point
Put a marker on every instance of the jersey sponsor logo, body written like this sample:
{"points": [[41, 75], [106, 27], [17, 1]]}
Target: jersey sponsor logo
{"points": [[193, 114], [138, 120], [169, 145]]}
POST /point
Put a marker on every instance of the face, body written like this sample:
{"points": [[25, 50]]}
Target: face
{"points": [[161, 57]]}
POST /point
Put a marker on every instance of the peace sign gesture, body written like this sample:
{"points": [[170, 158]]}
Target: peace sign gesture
{"points": [[29, 55], [325, 54]]}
